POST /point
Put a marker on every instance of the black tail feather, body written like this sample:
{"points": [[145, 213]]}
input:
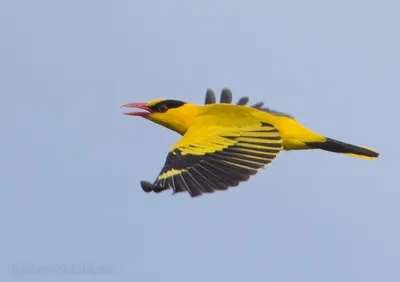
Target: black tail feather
{"points": [[335, 146]]}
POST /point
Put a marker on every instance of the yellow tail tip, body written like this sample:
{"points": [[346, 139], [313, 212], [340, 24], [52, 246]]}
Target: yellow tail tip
{"points": [[365, 157]]}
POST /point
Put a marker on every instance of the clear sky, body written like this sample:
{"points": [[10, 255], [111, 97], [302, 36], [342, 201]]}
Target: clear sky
{"points": [[71, 163]]}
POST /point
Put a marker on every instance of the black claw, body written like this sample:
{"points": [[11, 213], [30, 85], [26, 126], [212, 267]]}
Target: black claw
{"points": [[210, 97], [243, 101], [226, 96]]}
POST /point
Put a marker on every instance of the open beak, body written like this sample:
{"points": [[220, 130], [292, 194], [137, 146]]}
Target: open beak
{"points": [[142, 106]]}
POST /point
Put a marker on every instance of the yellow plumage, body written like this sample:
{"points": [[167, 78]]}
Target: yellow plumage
{"points": [[224, 144]]}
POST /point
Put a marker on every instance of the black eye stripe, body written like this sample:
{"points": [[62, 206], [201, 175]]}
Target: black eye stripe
{"points": [[169, 103]]}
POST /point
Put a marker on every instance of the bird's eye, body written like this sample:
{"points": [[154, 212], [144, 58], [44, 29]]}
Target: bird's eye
{"points": [[162, 108]]}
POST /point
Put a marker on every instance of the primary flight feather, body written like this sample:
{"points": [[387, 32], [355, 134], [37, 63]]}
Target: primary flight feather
{"points": [[224, 144]]}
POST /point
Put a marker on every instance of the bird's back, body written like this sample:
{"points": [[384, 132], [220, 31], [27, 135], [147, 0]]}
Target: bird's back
{"points": [[227, 111], [293, 133], [230, 114]]}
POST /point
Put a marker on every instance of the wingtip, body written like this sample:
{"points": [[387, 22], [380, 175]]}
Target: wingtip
{"points": [[226, 96], [146, 186], [243, 101], [210, 97]]}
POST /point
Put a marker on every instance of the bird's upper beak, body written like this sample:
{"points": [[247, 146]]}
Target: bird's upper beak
{"points": [[142, 106]]}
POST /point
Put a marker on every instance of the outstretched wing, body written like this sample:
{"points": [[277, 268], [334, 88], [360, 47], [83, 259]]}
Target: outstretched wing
{"points": [[212, 157]]}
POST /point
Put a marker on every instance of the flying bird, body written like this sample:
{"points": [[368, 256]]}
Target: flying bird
{"points": [[225, 144]]}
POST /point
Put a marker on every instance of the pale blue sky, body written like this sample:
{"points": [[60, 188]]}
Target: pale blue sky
{"points": [[71, 163]]}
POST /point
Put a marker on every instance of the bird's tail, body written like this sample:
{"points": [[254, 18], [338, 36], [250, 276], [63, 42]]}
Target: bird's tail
{"points": [[335, 146]]}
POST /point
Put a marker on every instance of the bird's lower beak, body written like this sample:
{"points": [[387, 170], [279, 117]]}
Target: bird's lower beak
{"points": [[142, 106]]}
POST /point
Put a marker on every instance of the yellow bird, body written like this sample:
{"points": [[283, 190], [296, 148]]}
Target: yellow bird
{"points": [[224, 144]]}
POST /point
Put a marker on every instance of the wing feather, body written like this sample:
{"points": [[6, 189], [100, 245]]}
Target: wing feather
{"points": [[212, 157]]}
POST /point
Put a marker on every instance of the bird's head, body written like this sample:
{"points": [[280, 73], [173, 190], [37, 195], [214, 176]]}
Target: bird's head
{"points": [[173, 114]]}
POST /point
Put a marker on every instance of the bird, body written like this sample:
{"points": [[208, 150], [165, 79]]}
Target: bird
{"points": [[210, 98], [225, 144]]}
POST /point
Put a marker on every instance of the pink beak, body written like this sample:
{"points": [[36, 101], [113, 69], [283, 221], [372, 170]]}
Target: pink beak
{"points": [[142, 106]]}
